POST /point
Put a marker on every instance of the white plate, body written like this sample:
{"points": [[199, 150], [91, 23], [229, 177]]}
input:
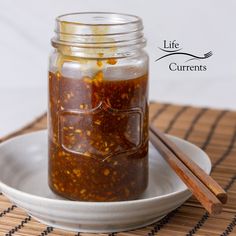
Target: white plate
{"points": [[23, 179]]}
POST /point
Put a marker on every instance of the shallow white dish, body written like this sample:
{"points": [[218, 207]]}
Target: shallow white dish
{"points": [[23, 179]]}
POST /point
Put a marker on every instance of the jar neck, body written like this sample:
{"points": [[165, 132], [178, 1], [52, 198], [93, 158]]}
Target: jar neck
{"points": [[98, 34]]}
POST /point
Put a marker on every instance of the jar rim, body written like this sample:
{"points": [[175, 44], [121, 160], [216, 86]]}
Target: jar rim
{"points": [[122, 16], [110, 33]]}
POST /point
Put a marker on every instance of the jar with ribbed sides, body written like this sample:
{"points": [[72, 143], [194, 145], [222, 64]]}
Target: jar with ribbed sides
{"points": [[98, 107]]}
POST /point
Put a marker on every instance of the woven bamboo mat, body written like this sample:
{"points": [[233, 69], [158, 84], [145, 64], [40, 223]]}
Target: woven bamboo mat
{"points": [[212, 130]]}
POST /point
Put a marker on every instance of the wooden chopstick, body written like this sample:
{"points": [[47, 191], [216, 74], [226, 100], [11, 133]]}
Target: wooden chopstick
{"points": [[210, 202], [210, 183]]}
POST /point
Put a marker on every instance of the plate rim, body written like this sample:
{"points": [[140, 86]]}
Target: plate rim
{"points": [[98, 204]]}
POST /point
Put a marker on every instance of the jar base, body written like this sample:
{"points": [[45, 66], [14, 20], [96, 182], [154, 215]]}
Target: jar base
{"points": [[97, 198]]}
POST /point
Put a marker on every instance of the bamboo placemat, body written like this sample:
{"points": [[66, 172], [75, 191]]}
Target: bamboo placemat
{"points": [[212, 130]]}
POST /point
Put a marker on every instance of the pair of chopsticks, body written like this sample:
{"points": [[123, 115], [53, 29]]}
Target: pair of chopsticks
{"points": [[208, 192]]}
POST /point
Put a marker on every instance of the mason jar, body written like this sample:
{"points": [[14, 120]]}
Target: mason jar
{"points": [[98, 107]]}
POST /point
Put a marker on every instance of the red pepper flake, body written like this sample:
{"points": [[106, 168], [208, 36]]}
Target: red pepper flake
{"points": [[111, 61], [98, 76], [106, 172], [99, 63]]}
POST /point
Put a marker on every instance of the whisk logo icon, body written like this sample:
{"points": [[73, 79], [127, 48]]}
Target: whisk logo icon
{"points": [[172, 49]]}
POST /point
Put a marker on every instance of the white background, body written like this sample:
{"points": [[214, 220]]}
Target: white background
{"points": [[199, 26]]}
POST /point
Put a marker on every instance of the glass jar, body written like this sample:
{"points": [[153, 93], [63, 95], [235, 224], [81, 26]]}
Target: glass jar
{"points": [[98, 107]]}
